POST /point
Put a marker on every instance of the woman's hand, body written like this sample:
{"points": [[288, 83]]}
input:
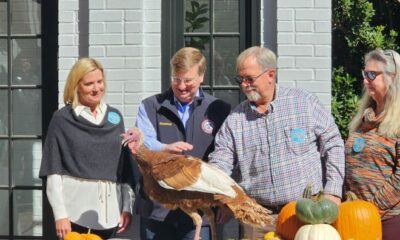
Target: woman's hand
{"points": [[63, 226], [178, 147], [124, 221]]}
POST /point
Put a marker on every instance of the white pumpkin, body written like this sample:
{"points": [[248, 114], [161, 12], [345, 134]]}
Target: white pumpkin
{"points": [[317, 232]]}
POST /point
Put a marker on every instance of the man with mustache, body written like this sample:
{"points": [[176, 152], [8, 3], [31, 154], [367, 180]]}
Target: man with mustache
{"points": [[277, 141]]}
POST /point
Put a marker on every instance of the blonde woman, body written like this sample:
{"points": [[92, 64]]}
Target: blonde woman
{"points": [[83, 158], [373, 146]]}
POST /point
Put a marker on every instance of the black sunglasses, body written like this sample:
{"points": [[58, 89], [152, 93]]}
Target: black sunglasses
{"points": [[370, 75], [239, 79]]}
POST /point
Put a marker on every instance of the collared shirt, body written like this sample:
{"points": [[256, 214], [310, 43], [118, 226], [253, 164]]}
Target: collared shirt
{"points": [[82, 200], [274, 155], [150, 135]]}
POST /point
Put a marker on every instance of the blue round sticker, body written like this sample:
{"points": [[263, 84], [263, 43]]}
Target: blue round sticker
{"points": [[298, 135], [113, 118], [358, 144]]}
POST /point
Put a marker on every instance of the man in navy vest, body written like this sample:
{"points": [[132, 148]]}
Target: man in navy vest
{"points": [[182, 120]]}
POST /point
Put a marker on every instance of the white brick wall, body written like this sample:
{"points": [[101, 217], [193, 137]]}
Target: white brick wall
{"points": [[303, 45], [125, 36]]}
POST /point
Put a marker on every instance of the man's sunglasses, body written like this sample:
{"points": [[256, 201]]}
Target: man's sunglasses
{"points": [[370, 75]]}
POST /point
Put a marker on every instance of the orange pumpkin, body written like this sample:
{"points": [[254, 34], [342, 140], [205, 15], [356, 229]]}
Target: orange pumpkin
{"points": [[287, 223], [358, 219], [84, 236]]}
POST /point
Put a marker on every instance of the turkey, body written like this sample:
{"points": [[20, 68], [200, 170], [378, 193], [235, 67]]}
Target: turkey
{"points": [[188, 183]]}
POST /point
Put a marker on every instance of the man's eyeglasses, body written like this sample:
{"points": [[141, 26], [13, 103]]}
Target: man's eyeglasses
{"points": [[250, 80], [370, 75], [186, 81]]}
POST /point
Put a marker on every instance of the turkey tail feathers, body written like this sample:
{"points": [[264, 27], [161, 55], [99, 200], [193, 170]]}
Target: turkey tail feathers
{"points": [[248, 211]]}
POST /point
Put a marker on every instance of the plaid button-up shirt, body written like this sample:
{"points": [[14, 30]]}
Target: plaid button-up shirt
{"points": [[274, 155]]}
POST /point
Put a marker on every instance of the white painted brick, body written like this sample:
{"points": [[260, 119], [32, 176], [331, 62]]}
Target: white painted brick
{"points": [[97, 27], [135, 16], [151, 51], [286, 62], [153, 62], [152, 15], [285, 26], [152, 39], [315, 86], [133, 38], [119, 51], [304, 26], [66, 16], [133, 27], [66, 62], [116, 86], [97, 51], [323, 75], [295, 3], [295, 50], [323, 51], [295, 74], [313, 38], [114, 98], [124, 4], [133, 87], [152, 73], [286, 83], [67, 28], [152, 86], [106, 15], [325, 98], [114, 27], [68, 5], [68, 51], [285, 38], [121, 74], [285, 14], [151, 4], [323, 4], [132, 98], [313, 62], [66, 40], [313, 14], [100, 39], [97, 4], [133, 62], [323, 26], [152, 27], [110, 62]]}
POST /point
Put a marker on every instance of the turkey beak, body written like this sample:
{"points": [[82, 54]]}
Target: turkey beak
{"points": [[125, 142]]}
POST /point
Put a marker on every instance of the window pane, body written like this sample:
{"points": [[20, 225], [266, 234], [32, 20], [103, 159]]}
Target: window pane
{"points": [[3, 164], [27, 212], [26, 61], [234, 97], [3, 112], [225, 54], [226, 14], [3, 18], [197, 16], [4, 219], [25, 17], [27, 111], [3, 62], [26, 155]]}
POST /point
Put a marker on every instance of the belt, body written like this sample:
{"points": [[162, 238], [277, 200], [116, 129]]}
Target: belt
{"points": [[275, 209]]}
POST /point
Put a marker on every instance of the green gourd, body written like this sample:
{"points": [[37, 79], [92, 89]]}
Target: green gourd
{"points": [[317, 211]]}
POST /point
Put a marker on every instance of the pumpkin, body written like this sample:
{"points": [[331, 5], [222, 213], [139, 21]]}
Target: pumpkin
{"points": [[287, 223], [73, 236], [358, 219], [271, 236], [317, 211], [84, 236], [317, 232]]}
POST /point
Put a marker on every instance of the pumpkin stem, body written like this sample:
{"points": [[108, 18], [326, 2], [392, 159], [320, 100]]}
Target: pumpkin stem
{"points": [[89, 231], [319, 195], [350, 196], [307, 191]]}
